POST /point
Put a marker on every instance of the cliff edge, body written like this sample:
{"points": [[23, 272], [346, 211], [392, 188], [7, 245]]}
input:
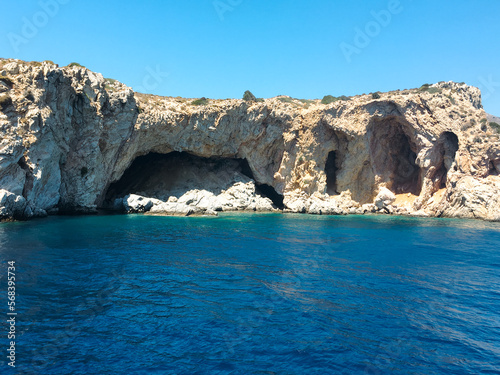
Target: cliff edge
{"points": [[74, 142]]}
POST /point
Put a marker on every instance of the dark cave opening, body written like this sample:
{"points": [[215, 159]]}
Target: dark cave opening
{"points": [[406, 173], [448, 147], [269, 192], [331, 173], [158, 175], [394, 157], [262, 189]]}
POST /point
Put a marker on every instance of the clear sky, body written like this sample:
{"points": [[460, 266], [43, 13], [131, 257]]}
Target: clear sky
{"points": [[305, 49]]}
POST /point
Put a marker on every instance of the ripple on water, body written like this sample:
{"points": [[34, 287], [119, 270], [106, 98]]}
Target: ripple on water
{"points": [[256, 294]]}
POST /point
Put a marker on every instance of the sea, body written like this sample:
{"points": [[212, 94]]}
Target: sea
{"points": [[250, 294]]}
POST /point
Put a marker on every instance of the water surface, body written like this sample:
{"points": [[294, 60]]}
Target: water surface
{"points": [[254, 294]]}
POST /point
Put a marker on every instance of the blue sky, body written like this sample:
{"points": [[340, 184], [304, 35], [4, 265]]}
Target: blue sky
{"points": [[305, 49]]}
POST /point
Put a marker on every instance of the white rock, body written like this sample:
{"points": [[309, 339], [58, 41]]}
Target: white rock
{"points": [[177, 209], [12, 68], [384, 198], [133, 203]]}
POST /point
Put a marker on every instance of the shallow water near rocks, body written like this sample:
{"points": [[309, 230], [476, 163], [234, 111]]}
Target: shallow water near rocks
{"points": [[254, 294]]}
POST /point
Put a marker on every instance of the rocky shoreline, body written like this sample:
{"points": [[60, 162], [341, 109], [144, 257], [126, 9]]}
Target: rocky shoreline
{"points": [[74, 142]]}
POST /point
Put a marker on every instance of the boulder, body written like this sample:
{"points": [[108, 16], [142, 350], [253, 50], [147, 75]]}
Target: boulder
{"points": [[12, 205], [384, 198], [133, 203]]}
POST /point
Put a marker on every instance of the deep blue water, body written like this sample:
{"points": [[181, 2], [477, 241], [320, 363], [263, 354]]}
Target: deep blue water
{"points": [[253, 294]]}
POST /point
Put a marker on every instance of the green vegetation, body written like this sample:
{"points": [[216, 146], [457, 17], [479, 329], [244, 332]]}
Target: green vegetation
{"points": [[201, 101], [452, 99], [285, 99], [306, 101], [495, 126], [84, 171], [483, 121], [427, 87], [249, 97], [109, 83], [50, 62], [76, 64], [327, 99], [375, 95]]}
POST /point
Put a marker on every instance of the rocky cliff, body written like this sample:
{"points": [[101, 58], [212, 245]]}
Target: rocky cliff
{"points": [[74, 142]]}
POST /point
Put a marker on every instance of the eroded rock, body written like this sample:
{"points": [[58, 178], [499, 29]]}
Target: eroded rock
{"points": [[70, 141]]}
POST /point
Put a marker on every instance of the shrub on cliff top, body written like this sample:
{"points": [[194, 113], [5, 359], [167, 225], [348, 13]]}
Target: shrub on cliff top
{"points": [[285, 99], [431, 90], [201, 101], [375, 95], [327, 99], [249, 97], [75, 64]]}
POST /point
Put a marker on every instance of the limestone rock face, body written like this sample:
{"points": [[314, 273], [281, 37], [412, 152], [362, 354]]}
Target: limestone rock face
{"points": [[473, 198], [73, 141]]}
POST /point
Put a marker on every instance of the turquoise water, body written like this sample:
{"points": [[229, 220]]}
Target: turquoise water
{"points": [[253, 294]]}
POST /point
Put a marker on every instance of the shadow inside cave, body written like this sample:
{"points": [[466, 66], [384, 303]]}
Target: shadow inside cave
{"points": [[331, 169], [163, 175], [394, 156], [447, 147]]}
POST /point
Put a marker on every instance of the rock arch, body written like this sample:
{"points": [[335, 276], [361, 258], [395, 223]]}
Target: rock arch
{"points": [[161, 176]]}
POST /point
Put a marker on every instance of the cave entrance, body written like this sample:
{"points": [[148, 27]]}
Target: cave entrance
{"points": [[331, 173], [163, 175], [394, 157], [447, 147]]}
